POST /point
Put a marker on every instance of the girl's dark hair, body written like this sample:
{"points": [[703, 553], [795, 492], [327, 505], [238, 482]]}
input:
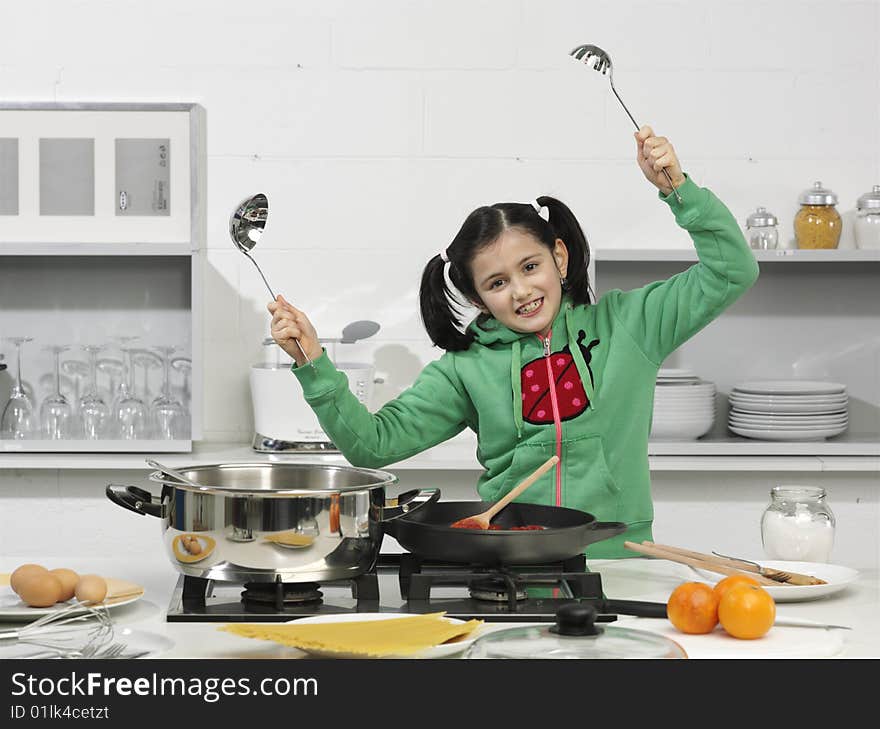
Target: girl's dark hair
{"points": [[442, 308]]}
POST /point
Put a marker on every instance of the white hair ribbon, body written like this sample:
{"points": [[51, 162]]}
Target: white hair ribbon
{"points": [[542, 210]]}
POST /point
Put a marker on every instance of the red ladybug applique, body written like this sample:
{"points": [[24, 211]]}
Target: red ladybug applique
{"points": [[570, 396]]}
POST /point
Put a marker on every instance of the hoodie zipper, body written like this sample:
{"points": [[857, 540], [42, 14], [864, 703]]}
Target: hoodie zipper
{"points": [[551, 380]]}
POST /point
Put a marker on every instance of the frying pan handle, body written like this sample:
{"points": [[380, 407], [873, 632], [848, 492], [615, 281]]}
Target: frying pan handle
{"points": [[638, 608], [407, 503], [135, 499], [612, 527]]}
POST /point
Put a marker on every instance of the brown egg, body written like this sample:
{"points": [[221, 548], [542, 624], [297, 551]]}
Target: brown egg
{"points": [[68, 579], [193, 546], [40, 589], [21, 573], [91, 588]]}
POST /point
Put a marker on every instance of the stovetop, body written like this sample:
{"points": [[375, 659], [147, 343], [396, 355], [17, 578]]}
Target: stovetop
{"points": [[400, 583]]}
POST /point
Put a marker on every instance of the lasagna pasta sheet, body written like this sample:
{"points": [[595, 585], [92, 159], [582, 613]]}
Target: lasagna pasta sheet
{"points": [[371, 638]]}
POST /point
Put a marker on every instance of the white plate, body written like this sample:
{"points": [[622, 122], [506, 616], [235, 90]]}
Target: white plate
{"points": [[748, 425], [782, 423], [137, 642], [795, 400], [790, 409], [13, 609], [437, 651], [790, 387], [788, 419], [671, 372], [836, 576], [765, 434]]}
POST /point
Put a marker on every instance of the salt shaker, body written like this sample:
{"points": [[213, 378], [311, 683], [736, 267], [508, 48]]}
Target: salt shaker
{"points": [[798, 524], [868, 219], [762, 232]]}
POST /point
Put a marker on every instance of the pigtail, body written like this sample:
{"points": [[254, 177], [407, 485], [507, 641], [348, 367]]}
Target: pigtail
{"points": [[565, 226], [440, 313]]}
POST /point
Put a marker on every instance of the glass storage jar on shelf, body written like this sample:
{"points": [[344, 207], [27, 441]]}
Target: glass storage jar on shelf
{"points": [[761, 229], [817, 224], [798, 524], [868, 220]]}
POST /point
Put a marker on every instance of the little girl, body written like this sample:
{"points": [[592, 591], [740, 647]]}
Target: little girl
{"points": [[542, 370]]}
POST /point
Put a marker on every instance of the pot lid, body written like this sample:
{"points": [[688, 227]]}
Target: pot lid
{"points": [[870, 200], [575, 635], [818, 195], [760, 218]]}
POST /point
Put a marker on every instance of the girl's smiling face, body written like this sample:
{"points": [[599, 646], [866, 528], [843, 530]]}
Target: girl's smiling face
{"points": [[518, 280]]}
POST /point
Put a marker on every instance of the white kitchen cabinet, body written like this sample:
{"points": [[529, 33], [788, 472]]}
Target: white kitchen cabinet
{"points": [[101, 228], [811, 315]]}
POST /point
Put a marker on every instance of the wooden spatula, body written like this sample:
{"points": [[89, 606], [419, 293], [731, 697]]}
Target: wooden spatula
{"points": [[481, 521]]}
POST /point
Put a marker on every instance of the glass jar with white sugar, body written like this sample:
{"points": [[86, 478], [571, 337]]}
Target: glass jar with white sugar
{"points": [[798, 524]]}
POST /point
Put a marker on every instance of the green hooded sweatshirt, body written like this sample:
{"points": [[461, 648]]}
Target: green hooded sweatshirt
{"points": [[594, 411]]}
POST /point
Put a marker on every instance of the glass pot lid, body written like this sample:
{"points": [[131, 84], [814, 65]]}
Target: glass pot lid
{"points": [[818, 195], [574, 636]]}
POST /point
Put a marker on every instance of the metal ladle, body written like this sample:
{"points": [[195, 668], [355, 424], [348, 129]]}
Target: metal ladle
{"points": [[245, 228], [601, 63]]}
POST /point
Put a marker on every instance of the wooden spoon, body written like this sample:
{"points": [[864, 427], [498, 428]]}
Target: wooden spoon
{"points": [[481, 521]]}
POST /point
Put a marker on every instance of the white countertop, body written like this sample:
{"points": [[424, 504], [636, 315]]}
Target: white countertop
{"points": [[858, 606]]}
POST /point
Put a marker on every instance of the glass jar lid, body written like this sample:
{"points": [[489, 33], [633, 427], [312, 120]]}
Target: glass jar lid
{"points": [[761, 218], [870, 200], [575, 635], [818, 195]]}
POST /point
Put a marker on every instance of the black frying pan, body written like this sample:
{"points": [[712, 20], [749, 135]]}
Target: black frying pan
{"points": [[427, 532]]}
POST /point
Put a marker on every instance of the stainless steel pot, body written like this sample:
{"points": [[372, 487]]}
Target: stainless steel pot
{"points": [[265, 522]]}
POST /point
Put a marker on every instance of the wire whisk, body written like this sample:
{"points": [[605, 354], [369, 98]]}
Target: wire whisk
{"points": [[58, 631]]}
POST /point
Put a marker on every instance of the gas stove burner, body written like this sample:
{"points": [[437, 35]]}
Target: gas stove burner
{"points": [[282, 593], [494, 589]]}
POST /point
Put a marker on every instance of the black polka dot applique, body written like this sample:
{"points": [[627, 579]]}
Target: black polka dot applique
{"points": [[570, 395]]}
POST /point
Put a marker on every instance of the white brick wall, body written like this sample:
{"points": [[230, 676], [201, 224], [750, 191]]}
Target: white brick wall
{"points": [[376, 126]]}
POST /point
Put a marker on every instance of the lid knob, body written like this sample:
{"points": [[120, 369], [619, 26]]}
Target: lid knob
{"points": [[576, 618]]}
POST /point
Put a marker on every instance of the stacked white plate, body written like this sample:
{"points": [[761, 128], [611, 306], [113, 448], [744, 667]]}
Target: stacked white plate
{"points": [[788, 410], [684, 406]]}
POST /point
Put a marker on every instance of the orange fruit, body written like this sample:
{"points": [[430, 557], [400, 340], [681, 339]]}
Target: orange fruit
{"points": [[746, 611], [731, 581], [693, 608]]}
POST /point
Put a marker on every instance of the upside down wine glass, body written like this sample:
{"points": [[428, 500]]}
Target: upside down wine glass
{"points": [[168, 413], [130, 412], [56, 413], [17, 420], [92, 408]]}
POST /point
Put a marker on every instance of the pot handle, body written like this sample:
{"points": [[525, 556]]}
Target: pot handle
{"points": [[135, 499], [407, 503]]}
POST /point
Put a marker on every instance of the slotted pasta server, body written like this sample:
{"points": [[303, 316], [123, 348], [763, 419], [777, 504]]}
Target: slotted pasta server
{"points": [[601, 62]]}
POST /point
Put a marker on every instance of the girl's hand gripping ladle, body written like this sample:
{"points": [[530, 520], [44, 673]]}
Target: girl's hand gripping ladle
{"points": [[601, 63], [245, 228], [481, 521]]}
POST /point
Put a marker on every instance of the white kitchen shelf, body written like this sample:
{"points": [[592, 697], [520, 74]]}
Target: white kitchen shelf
{"points": [[781, 255], [445, 457], [847, 444], [95, 249], [125, 261], [74, 448]]}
